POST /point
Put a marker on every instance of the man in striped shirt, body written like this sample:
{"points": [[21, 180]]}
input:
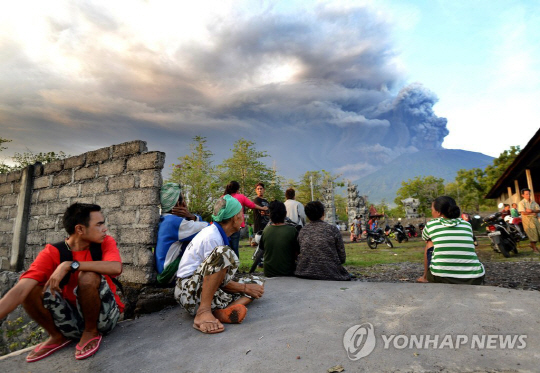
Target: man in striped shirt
{"points": [[454, 259]]}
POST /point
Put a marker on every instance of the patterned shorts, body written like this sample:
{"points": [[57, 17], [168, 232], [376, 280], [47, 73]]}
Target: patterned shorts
{"points": [[188, 290], [69, 319]]}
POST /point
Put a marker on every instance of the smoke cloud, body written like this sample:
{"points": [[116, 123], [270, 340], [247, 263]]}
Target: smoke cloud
{"points": [[318, 89]]}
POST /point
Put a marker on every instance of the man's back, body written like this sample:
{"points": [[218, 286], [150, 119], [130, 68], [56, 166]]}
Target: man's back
{"points": [[295, 211], [281, 247]]}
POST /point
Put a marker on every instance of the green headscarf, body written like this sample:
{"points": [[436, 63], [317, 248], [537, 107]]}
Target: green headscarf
{"points": [[169, 196], [226, 207]]}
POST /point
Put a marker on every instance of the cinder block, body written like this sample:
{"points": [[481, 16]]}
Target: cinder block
{"points": [[4, 212], [53, 167], [16, 187], [14, 176], [137, 236], [93, 187], [121, 182], [48, 194], [68, 191], [82, 200], [35, 195], [42, 182], [118, 217], [145, 258], [4, 251], [126, 253], [109, 200], [55, 236], [10, 199], [85, 173], [35, 238], [63, 177], [99, 155], [13, 212], [137, 275], [3, 178], [32, 225], [5, 264], [76, 161], [6, 188], [152, 160], [47, 222], [7, 226], [128, 148], [140, 197], [149, 215], [112, 168], [150, 179], [56, 208]]}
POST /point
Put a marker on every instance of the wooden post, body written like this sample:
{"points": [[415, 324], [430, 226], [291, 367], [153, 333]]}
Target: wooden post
{"points": [[529, 183], [518, 194]]}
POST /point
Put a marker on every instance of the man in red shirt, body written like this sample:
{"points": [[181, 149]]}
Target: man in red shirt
{"points": [[86, 305]]}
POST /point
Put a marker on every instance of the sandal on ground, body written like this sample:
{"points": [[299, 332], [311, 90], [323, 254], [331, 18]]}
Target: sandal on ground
{"points": [[89, 352], [234, 314], [52, 349], [422, 280], [213, 322]]}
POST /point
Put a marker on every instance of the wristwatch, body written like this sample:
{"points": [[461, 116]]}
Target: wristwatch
{"points": [[75, 266]]}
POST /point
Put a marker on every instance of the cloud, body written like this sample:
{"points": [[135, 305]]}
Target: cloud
{"points": [[320, 88]]}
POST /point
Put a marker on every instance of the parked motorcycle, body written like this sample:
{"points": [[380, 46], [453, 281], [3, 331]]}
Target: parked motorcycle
{"points": [[411, 231], [502, 241], [377, 236], [399, 233]]}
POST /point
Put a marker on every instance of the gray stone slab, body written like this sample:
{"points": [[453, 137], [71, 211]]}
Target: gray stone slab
{"points": [[299, 326]]}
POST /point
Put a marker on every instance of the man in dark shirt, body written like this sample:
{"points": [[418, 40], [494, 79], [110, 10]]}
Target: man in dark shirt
{"points": [[260, 217], [279, 242]]}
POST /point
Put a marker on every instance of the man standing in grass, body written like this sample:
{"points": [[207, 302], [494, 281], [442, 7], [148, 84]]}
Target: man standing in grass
{"points": [[529, 209]]}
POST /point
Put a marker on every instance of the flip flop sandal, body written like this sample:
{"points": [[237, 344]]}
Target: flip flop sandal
{"points": [[89, 352], [231, 315], [52, 349]]}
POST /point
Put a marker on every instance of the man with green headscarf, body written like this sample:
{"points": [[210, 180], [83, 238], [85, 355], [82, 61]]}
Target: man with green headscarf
{"points": [[209, 261]]}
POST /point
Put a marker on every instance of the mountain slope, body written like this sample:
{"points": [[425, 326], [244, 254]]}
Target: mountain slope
{"points": [[443, 163]]}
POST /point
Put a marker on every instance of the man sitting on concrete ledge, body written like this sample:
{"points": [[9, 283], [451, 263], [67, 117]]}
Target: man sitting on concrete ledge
{"points": [[68, 288], [204, 286], [177, 227]]}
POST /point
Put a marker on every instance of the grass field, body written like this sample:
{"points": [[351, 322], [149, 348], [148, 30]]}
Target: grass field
{"points": [[360, 255]]}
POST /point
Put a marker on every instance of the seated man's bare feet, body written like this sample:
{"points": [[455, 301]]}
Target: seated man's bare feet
{"points": [[205, 322], [422, 279]]}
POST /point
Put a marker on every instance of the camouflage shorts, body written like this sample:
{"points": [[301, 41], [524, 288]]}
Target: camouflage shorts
{"points": [[188, 290], [69, 319]]}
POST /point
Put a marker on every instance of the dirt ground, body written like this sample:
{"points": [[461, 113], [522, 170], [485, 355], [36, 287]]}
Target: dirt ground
{"points": [[523, 275]]}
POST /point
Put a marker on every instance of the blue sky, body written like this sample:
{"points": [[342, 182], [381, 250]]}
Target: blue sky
{"points": [[329, 84]]}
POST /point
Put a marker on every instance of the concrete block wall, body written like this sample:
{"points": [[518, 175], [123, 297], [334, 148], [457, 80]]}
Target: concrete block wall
{"points": [[10, 185], [123, 179]]}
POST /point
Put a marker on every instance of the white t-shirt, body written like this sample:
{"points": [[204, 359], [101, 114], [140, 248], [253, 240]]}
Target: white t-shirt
{"points": [[198, 250], [295, 211]]}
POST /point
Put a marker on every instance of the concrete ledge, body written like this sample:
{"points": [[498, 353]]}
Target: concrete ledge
{"points": [[299, 326]]}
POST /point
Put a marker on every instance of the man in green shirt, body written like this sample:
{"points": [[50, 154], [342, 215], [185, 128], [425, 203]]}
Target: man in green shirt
{"points": [[279, 242]]}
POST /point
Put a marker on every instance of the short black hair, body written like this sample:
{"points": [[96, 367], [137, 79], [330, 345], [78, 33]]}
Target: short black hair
{"points": [[290, 193], [314, 210], [278, 211], [525, 190], [232, 187], [78, 213], [259, 183]]}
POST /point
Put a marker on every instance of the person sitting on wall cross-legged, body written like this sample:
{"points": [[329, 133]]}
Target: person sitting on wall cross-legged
{"points": [[76, 298], [205, 287]]}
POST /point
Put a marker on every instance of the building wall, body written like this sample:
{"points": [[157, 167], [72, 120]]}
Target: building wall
{"points": [[123, 179]]}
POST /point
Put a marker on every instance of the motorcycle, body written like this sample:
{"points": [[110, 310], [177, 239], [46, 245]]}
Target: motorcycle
{"points": [[411, 231], [399, 233], [502, 241], [377, 236]]}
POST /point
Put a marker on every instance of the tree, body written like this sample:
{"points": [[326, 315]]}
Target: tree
{"points": [[245, 167], [197, 177], [317, 179], [4, 168], [28, 158], [425, 189]]}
